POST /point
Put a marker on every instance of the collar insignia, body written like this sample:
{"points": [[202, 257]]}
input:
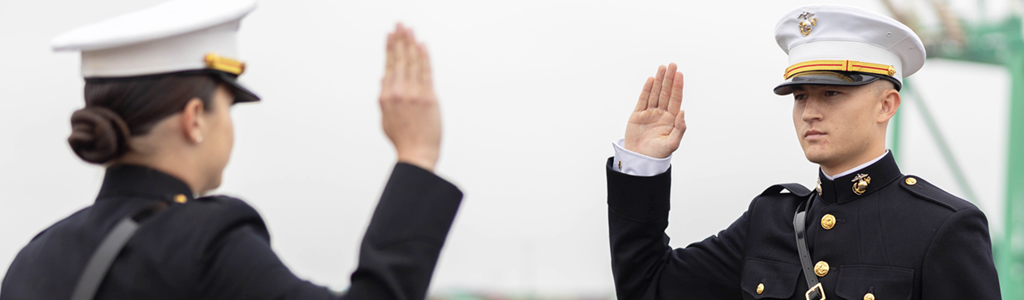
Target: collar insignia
{"points": [[818, 188], [860, 183]]}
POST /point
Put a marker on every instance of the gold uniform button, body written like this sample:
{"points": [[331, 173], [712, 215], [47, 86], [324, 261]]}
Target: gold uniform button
{"points": [[869, 296], [760, 288], [821, 269], [180, 199], [828, 221], [911, 181]]}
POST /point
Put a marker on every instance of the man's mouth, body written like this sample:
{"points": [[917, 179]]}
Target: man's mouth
{"points": [[813, 134]]}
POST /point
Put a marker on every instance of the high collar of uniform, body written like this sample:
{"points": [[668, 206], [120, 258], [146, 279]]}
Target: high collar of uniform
{"points": [[134, 180], [860, 183]]}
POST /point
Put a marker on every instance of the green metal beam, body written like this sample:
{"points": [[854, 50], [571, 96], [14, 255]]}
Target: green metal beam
{"points": [[1011, 250], [1002, 43], [943, 145]]}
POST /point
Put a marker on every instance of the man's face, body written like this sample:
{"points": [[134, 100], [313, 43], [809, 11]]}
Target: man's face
{"points": [[836, 123]]}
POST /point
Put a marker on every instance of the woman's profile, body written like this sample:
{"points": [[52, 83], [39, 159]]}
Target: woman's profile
{"points": [[160, 84]]}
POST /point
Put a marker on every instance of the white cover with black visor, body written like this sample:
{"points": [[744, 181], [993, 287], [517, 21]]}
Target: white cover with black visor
{"points": [[180, 36], [845, 46]]}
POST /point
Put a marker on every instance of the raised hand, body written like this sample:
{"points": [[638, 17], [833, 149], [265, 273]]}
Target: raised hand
{"points": [[657, 125], [410, 115]]}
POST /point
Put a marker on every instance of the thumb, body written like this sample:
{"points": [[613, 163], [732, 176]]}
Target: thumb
{"points": [[680, 126]]}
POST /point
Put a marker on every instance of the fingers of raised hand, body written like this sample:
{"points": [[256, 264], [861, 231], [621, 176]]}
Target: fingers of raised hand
{"points": [[426, 78], [401, 53], [389, 61], [407, 69], [676, 99], [414, 62], [666, 87], [641, 103], [652, 99]]}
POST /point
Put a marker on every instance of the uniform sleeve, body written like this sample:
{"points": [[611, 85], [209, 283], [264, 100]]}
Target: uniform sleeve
{"points": [[959, 263], [643, 264], [244, 267], [405, 236], [396, 260]]}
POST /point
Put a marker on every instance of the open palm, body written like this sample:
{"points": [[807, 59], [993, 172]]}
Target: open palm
{"points": [[657, 125]]}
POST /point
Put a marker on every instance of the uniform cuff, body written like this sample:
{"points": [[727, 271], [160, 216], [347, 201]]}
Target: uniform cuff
{"points": [[636, 164], [416, 205], [642, 199]]}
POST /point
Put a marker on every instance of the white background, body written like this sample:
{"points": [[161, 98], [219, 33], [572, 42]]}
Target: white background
{"points": [[533, 92]]}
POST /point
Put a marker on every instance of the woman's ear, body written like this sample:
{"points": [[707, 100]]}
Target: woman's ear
{"points": [[191, 121], [890, 103]]}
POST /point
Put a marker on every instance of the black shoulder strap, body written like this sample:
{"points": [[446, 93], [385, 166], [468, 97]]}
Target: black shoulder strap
{"points": [[815, 291], [101, 260], [794, 188]]}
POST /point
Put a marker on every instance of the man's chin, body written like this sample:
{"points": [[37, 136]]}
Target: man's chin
{"points": [[817, 157]]}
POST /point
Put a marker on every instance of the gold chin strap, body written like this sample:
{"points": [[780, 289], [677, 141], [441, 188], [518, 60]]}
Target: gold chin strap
{"points": [[220, 63], [839, 65]]}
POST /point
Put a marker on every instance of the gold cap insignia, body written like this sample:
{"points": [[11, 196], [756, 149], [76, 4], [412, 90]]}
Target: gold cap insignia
{"points": [[220, 63], [860, 183], [808, 22]]}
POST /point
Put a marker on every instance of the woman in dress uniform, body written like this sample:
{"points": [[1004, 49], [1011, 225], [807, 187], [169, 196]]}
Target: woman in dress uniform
{"points": [[157, 99]]}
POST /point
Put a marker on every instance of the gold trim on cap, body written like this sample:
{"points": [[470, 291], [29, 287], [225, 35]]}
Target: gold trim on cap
{"points": [[220, 63], [839, 65]]}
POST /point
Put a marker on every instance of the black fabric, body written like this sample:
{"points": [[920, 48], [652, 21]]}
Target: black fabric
{"points": [[892, 230], [219, 248], [106, 253]]}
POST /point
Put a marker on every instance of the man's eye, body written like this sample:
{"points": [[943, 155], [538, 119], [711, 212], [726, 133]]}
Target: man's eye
{"points": [[799, 97], [831, 93]]}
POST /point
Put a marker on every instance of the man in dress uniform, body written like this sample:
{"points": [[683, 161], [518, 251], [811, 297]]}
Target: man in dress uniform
{"points": [[866, 231], [149, 234]]}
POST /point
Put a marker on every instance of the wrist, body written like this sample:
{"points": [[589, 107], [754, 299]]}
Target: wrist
{"points": [[424, 159]]}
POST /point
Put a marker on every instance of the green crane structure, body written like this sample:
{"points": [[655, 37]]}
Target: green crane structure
{"points": [[998, 43]]}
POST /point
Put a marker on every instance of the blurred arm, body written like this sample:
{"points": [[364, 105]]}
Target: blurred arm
{"points": [[396, 260]]}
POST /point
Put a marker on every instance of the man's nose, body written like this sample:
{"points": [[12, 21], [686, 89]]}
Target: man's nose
{"points": [[812, 109]]}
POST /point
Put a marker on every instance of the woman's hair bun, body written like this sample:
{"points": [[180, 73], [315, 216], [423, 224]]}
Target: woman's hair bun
{"points": [[98, 134]]}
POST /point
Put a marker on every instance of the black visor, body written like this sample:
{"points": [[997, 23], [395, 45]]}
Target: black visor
{"points": [[831, 78], [242, 94]]}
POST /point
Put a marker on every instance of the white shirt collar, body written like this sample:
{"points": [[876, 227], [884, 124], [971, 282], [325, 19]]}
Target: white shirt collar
{"points": [[857, 168]]}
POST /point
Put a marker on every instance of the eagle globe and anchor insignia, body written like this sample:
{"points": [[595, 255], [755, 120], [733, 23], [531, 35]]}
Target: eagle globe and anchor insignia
{"points": [[860, 183], [808, 22]]}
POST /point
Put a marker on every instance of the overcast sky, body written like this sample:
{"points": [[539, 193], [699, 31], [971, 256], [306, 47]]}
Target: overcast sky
{"points": [[533, 92]]}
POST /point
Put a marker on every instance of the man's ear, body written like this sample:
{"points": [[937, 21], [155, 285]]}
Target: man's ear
{"points": [[191, 123], [890, 103]]}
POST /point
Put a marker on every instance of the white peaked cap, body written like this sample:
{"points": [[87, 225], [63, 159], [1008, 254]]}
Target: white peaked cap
{"points": [[823, 39], [175, 36]]}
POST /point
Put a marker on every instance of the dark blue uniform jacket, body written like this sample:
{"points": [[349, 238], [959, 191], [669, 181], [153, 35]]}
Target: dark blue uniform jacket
{"points": [[903, 238], [219, 248]]}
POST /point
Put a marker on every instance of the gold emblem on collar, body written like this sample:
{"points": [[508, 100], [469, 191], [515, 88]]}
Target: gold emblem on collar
{"points": [[818, 188], [808, 22], [860, 183]]}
